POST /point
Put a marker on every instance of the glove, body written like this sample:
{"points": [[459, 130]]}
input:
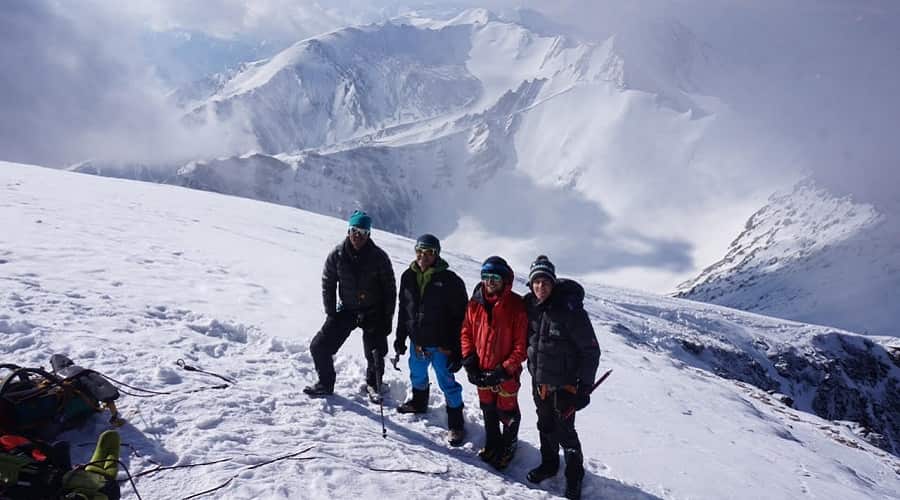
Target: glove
{"points": [[399, 346], [582, 397], [494, 377], [474, 374], [454, 363], [475, 377]]}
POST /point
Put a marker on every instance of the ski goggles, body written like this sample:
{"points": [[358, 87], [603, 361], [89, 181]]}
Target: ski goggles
{"points": [[491, 277], [426, 251], [358, 231]]}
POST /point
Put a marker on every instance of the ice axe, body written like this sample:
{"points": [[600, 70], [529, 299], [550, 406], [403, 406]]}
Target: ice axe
{"points": [[571, 411]]}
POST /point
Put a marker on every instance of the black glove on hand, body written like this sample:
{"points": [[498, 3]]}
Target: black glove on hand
{"points": [[494, 377], [582, 397], [454, 363], [470, 363], [399, 347]]}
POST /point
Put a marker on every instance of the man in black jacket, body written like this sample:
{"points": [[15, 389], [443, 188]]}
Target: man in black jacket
{"points": [[563, 355], [432, 306], [363, 277]]}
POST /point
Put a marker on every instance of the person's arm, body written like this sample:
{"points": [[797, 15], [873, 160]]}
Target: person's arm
{"points": [[455, 310], [467, 347], [513, 363], [587, 347], [402, 317], [466, 334], [389, 291], [329, 283]]}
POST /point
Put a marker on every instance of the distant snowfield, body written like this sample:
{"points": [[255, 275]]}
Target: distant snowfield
{"points": [[127, 277]]}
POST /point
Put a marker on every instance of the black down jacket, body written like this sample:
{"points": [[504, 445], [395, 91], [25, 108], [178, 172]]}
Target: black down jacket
{"points": [[562, 345], [364, 281], [432, 319]]}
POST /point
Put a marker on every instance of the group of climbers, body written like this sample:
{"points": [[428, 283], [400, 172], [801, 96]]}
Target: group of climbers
{"points": [[490, 334]]}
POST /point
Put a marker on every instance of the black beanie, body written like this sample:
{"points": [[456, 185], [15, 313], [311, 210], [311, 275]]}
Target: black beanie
{"points": [[542, 266]]}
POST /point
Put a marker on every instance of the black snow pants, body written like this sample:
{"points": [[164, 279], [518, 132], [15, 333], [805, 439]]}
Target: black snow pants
{"points": [[556, 431], [335, 332]]}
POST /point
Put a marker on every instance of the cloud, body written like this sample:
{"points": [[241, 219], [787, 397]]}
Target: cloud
{"points": [[815, 81], [76, 87]]}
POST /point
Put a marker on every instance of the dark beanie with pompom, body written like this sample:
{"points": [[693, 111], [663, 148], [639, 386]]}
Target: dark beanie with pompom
{"points": [[542, 267]]}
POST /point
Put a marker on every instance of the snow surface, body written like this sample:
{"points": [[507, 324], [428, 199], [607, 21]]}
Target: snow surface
{"points": [[127, 277]]}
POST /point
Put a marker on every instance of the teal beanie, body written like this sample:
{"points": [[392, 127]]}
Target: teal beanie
{"points": [[361, 220]]}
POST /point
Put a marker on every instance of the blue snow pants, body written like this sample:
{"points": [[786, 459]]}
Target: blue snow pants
{"points": [[418, 373]]}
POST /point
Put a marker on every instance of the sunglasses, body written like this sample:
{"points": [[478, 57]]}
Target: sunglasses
{"points": [[426, 251], [491, 277], [358, 231]]}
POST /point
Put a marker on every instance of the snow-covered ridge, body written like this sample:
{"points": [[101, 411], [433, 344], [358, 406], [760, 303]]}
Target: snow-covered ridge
{"points": [[811, 256], [493, 104], [127, 277]]}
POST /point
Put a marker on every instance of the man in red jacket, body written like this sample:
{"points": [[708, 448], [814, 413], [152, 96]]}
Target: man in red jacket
{"points": [[494, 344]]}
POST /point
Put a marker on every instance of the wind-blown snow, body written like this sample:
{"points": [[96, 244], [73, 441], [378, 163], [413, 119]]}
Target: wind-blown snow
{"points": [[128, 277]]}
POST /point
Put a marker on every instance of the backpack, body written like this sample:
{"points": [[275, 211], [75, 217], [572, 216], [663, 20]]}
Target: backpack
{"points": [[37, 403], [31, 470]]}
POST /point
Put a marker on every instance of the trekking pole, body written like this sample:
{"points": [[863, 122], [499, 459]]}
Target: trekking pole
{"points": [[571, 411], [380, 397]]}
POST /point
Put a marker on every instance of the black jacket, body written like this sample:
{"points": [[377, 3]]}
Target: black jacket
{"points": [[364, 280], [432, 319], [562, 345]]}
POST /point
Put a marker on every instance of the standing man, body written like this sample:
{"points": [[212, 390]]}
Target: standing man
{"points": [[432, 306], [563, 355], [363, 277], [493, 340]]}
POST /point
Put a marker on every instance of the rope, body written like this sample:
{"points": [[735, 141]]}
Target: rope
{"points": [[190, 368], [255, 466]]}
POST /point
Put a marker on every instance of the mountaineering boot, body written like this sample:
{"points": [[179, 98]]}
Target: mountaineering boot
{"points": [[372, 392], [455, 424], [492, 441], [574, 472], [509, 439], [97, 479], [318, 390], [105, 460], [573, 489], [505, 455], [417, 404], [541, 472]]}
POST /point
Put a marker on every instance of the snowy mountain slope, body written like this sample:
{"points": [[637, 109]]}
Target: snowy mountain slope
{"points": [[550, 115], [128, 277], [811, 256]]}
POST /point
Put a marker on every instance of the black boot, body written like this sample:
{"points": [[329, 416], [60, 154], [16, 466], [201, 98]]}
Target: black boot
{"points": [[455, 424], [574, 472], [417, 404], [509, 441], [318, 390], [541, 472], [573, 489], [492, 442]]}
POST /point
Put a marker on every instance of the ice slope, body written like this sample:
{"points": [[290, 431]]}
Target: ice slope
{"points": [[811, 256], [128, 277]]}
